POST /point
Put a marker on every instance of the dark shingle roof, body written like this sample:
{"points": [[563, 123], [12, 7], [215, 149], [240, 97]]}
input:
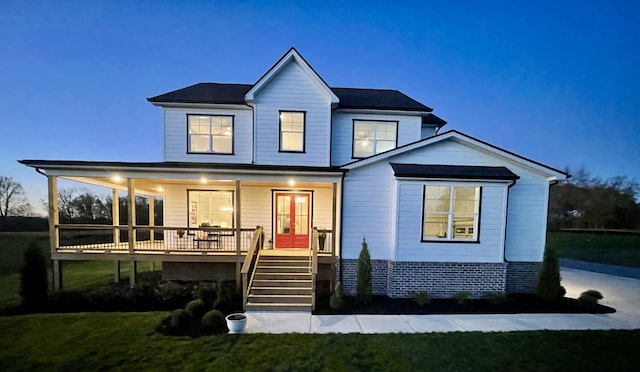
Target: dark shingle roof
{"points": [[433, 120], [453, 171], [216, 93]]}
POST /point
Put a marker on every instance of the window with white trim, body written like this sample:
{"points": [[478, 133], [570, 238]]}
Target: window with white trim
{"points": [[292, 131], [210, 208], [373, 137], [451, 213], [210, 134]]}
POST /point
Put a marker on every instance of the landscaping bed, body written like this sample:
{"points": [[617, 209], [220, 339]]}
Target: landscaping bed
{"points": [[511, 304]]}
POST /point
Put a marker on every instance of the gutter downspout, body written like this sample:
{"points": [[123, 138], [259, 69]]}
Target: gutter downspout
{"points": [[41, 172], [506, 222], [341, 223]]}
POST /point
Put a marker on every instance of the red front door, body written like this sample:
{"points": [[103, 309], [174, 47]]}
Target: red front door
{"points": [[292, 220]]}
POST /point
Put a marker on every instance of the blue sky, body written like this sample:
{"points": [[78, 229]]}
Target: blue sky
{"points": [[554, 81]]}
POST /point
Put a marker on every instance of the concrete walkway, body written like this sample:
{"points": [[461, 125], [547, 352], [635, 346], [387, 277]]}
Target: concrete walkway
{"points": [[621, 293]]}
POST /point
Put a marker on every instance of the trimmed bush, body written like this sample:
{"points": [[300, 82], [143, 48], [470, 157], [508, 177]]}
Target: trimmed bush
{"points": [[195, 308], [336, 301], [421, 298], [206, 291], [590, 298], [549, 288], [34, 286], [363, 286], [142, 296], [179, 319], [495, 298], [462, 297], [173, 294], [224, 300], [213, 320]]}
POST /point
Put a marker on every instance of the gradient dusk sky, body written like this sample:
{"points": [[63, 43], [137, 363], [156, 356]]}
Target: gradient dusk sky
{"points": [[555, 81]]}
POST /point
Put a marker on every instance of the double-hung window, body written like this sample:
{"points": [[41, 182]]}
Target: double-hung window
{"points": [[292, 126], [211, 134], [373, 137], [451, 213], [210, 208]]}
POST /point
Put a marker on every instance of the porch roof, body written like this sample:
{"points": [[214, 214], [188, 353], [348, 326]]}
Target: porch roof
{"points": [[468, 172]]}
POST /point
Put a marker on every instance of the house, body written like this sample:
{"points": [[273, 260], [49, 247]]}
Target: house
{"points": [[275, 184]]}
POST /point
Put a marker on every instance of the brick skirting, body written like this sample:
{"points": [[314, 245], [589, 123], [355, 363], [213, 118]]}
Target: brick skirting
{"points": [[439, 279], [522, 277]]}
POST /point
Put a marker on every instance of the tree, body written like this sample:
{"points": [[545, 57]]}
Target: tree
{"points": [[33, 279], [13, 201], [549, 288], [363, 284]]}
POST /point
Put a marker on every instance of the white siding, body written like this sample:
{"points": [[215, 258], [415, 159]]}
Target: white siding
{"points": [[292, 90], [367, 211], [409, 246], [175, 136], [256, 206], [409, 130], [369, 198]]}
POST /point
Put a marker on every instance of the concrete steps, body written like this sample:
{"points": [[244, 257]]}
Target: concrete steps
{"points": [[281, 283]]}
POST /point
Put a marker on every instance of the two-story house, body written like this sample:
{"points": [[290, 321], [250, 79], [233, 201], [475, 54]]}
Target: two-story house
{"points": [[275, 184]]}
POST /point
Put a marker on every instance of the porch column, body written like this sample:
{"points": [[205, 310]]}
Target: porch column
{"points": [[334, 213], [152, 224], [131, 220], [54, 238], [115, 216], [238, 237]]}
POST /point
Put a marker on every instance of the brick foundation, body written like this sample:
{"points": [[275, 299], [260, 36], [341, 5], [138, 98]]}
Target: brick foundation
{"points": [[522, 277], [198, 271], [439, 279]]}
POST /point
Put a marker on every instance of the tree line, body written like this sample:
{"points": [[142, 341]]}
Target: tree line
{"points": [[586, 201]]}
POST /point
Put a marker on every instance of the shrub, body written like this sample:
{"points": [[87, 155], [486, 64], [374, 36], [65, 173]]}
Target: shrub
{"points": [[68, 302], [590, 298], [142, 296], [495, 297], [206, 291], [107, 299], [549, 288], [179, 319], [195, 308], [363, 286], [462, 297], [421, 298], [214, 320], [336, 301], [224, 298], [33, 279], [173, 294]]}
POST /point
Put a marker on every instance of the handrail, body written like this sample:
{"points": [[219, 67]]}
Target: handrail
{"points": [[110, 227], [313, 262], [248, 262]]}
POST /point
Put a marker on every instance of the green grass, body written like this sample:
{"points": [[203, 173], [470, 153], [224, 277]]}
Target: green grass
{"points": [[76, 274], [612, 249], [126, 341]]}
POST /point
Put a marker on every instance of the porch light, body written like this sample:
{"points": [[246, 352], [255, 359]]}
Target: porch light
{"points": [[159, 188], [203, 180], [292, 182], [116, 178]]}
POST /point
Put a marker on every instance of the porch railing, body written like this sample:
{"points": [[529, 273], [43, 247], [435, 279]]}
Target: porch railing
{"points": [[110, 238], [325, 241], [250, 260]]}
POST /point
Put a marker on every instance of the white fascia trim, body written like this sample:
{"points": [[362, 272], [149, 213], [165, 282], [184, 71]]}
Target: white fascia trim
{"points": [[202, 105], [291, 55], [382, 112]]}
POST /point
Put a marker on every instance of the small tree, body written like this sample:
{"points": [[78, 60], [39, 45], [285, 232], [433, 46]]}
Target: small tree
{"points": [[363, 286], [33, 279], [549, 288]]}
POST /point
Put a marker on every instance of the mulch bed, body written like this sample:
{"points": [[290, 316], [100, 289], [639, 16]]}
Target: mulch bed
{"points": [[515, 304]]}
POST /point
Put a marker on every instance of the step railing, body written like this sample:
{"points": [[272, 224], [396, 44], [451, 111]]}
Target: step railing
{"points": [[313, 265], [249, 265]]}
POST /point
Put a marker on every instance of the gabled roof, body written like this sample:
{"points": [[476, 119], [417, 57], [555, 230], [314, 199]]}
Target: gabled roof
{"points": [[207, 93], [291, 55], [469, 172], [464, 138], [431, 119], [385, 99]]}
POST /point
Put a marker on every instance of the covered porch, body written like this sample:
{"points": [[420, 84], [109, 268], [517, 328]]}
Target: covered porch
{"points": [[210, 213]]}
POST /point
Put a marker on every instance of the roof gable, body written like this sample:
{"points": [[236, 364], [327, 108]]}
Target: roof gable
{"points": [[291, 56], [466, 140]]}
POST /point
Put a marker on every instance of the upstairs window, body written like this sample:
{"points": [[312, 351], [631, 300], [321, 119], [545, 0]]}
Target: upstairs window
{"points": [[373, 137], [212, 134], [451, 213], [292, 125]]}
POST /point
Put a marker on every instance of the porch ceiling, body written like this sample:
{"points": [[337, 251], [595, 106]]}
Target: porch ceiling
{"points": [[154, 186]]}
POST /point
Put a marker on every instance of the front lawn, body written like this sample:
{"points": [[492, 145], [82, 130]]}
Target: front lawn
{"points": [[126, 341], [615, 249]]}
